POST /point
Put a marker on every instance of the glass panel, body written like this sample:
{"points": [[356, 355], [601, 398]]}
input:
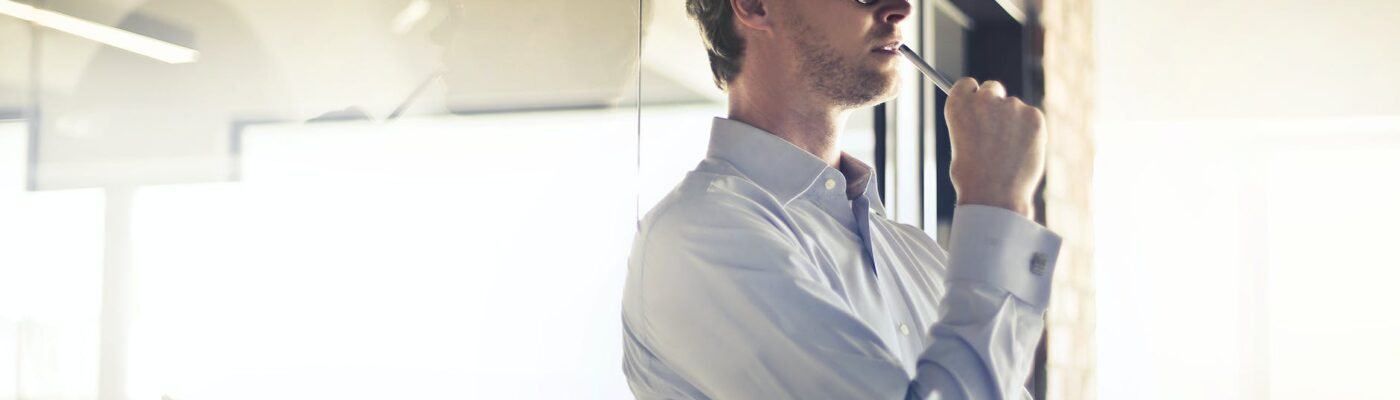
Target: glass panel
{"points": [[50, 281], [14, 161], [318, 199], [442, 264], [14, 68]]}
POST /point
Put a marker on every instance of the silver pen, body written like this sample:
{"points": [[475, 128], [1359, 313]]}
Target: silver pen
{"points": [[940, 80]]}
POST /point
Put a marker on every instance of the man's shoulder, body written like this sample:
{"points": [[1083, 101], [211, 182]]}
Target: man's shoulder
{"points": [[713, 230], [722, 218], [714, 198]]}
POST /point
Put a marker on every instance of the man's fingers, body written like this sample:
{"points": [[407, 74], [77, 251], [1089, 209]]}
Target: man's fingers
{"points": [[964, 86], [992, 88]]}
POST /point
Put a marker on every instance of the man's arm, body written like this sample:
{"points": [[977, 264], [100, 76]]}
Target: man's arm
{"points": [[758, 320], [993, 313], [1001, 262]]}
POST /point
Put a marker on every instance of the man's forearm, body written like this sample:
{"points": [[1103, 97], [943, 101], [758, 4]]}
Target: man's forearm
{"points": [[991, 319]]}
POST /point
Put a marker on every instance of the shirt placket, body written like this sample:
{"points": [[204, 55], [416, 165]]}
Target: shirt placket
{"points": [[889, 291], [861, 207]]}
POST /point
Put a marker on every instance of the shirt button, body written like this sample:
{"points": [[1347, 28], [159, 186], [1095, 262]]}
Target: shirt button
{"points": [[830, 183], [1038, 264], [904, 329]]}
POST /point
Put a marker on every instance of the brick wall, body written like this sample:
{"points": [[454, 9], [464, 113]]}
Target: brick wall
{"points": [[1069, 70]]}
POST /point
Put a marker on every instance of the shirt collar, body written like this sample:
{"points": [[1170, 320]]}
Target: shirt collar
{"points": [[781, 168]]}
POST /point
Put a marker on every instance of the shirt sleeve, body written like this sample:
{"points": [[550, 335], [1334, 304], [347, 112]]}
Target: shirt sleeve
{"points": [[992, 317], [737, 308]]}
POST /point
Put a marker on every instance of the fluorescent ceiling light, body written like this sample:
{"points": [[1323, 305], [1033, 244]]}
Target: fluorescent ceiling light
{"points": [[410, 15], [125, 40]]}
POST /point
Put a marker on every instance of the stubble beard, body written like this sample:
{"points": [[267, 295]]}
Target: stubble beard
{"points": [[846, 83]]}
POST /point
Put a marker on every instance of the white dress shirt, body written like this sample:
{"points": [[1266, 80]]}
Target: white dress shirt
{"points": [[765, 275]]}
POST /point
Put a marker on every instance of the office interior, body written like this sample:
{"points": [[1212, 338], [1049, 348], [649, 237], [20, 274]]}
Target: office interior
{"points": [[356, 199]]}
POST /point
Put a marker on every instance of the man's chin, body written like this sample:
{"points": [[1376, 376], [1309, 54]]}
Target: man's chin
{"points": [[891, 88], [882, 89]]}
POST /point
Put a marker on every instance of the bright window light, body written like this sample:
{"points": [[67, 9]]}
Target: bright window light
{"points": [[1247, 259], [50, 281], [459, 257]]}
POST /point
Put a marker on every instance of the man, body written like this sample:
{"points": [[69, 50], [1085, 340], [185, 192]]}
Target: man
{"points": [[771, 271]]}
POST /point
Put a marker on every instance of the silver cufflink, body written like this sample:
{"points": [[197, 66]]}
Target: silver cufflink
{"points": [[1038, 264]]}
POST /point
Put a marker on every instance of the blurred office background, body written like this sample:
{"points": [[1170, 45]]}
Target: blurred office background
{"points": [[204, 199]]}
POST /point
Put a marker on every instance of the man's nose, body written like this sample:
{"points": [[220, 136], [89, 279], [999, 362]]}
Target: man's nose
{"points": [[894, 11]]}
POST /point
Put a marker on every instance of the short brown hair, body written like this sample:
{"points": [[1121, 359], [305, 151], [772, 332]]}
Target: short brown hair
{"points": [[722, 41]]}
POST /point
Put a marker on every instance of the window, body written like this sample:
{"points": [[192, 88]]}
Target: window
{"points": [[317, 199], [1269, 290]]}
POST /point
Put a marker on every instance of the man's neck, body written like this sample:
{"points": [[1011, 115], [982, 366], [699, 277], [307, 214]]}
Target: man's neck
{"points": [[793, 116]]}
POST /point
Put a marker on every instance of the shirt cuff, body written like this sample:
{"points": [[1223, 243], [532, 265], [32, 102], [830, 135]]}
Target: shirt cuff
{"points": [[1004, 249]]}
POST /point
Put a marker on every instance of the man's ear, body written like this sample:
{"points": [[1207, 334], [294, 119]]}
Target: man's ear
{"points": [[752, 14]]}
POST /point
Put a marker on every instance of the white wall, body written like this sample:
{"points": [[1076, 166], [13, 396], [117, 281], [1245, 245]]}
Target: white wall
{"points": [[1244, 199], [1247, 58]]}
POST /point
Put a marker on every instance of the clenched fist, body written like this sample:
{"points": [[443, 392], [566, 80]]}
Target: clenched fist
{"points": [[998, 146]]}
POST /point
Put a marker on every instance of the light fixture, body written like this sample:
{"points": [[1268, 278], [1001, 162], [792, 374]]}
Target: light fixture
{"points": [[125, 40], [411, 15]]}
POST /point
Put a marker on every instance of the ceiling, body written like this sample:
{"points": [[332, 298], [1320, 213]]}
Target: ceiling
{"points": [[323, 55]]}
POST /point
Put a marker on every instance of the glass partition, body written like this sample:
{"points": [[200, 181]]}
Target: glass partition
{"points": [[316, 199]]}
